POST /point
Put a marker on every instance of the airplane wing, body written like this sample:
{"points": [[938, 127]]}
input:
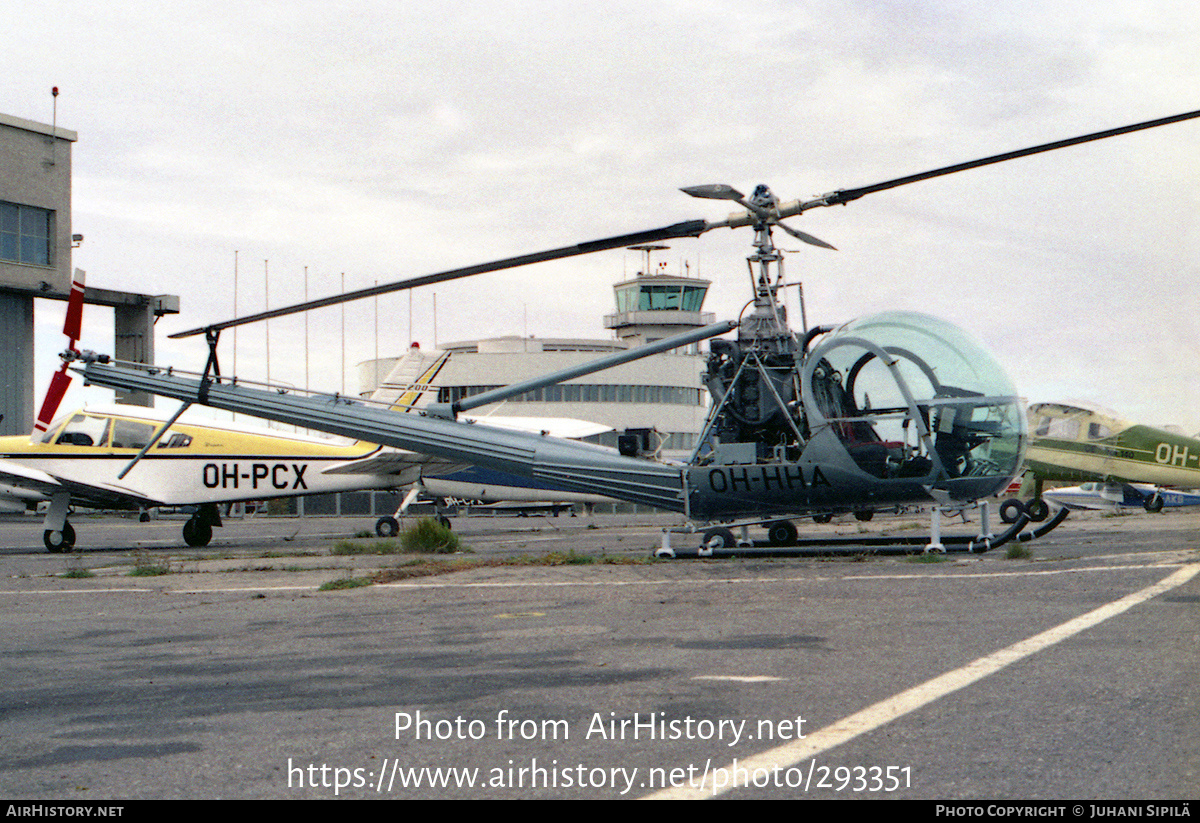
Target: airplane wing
{"points": [[25, 483], [30, 485], [395, 461], [569, 428]]}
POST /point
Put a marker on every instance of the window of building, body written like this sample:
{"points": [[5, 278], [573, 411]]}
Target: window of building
{"points": [[25, 234], [585, 393], [660, 297]]}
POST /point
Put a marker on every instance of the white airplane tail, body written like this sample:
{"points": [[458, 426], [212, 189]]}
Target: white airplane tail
{"points": [[409, 384]]}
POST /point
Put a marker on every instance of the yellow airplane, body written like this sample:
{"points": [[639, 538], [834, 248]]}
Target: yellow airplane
{"points": [[129, 457], [132, 458], [80, 460]]}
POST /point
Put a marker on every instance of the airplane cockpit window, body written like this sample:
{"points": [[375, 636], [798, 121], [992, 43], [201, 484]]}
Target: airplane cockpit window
{"points": [[1098, 431], [175, 440], [130, 434], [83, 430], [1059, 428], [909, 395]]}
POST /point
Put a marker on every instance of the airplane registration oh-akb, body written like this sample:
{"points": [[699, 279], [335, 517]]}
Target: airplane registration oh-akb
{"points": [[890, 410]]}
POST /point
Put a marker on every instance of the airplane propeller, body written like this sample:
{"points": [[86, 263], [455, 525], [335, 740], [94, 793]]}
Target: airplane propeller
{"points": [[61, 381]]}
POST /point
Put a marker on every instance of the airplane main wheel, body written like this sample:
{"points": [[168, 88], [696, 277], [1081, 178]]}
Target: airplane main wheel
{"points": [[387, 526], [1037, 509], [197, 533], [59, 542], [1011, 510], [1154, 504], [864, 516], [719, 538], [822, 518], [783, 533], [443, 520]]}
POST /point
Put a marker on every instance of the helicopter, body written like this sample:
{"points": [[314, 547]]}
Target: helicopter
{"points": [[892, 410]]}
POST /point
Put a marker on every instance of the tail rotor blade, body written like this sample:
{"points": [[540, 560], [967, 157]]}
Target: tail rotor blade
{"points": [[59, 384], [61, 381], [73, 325]]}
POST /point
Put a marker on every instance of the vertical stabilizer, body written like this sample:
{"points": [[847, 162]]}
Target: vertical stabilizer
{"points": [[409, 384]]}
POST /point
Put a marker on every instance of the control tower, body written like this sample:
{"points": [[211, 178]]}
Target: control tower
{"points": [[654, 305]]}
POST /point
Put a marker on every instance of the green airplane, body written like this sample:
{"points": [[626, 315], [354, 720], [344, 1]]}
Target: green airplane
{"points": [[1075, 444]]}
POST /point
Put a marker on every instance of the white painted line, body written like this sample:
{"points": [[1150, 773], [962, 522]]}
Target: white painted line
{"points": [[243, 589], [550, 584], [693, 581], [885, 711], [81, 591], [162, 591], [753, 678]]}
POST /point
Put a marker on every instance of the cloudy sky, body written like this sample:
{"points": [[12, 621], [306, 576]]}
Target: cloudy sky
{"points": [[372, 141]]}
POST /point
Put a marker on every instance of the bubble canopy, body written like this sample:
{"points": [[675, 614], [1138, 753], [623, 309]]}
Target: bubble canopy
{"points": [[910, 396]]}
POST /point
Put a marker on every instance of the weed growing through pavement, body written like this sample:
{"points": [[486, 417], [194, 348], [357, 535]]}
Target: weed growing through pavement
{"points": [[146, 566], [1018, 551]]}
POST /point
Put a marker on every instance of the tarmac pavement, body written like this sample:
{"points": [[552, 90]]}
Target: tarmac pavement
{"points": [[1072, 675]]}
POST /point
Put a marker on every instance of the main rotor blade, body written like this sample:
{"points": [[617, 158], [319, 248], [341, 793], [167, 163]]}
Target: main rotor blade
{"points": [[690, 228], [806, 237], [843, 196]]}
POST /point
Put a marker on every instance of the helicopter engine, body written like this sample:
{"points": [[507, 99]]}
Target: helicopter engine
{"points": [[755, 406]]}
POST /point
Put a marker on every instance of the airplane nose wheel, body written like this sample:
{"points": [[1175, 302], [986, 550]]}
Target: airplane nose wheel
{"points": [[1037, 509], [1011, 510], [387, 527], [197, 533], [58, 542]]}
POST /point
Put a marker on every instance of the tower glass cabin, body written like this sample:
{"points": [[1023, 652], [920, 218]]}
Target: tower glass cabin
{"points": [[653, 306]]}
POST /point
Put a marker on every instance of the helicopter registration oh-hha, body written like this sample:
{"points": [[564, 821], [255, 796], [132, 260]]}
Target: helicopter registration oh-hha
{"points": [[890, 410]]}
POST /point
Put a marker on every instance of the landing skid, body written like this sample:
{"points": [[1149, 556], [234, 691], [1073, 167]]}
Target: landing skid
{"points": [[1047, 527], [857, 544]]}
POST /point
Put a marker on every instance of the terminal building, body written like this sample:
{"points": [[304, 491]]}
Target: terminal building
{"points": [[662, 392]]}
